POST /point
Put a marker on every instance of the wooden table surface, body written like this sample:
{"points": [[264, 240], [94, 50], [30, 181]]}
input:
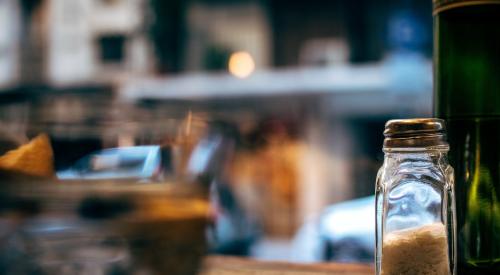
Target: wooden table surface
{"points": [[218, 265]]}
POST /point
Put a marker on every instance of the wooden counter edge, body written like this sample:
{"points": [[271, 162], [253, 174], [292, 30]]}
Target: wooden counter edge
{"points": [[224, 264]]}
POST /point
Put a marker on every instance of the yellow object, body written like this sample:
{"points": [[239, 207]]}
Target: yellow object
{"points": [[34, 158]]}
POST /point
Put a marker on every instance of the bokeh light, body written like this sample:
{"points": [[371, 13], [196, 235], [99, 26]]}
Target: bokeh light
{"points": [[241, 64]]}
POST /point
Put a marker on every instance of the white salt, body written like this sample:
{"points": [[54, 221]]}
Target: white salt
{"points": [[416, 251]]}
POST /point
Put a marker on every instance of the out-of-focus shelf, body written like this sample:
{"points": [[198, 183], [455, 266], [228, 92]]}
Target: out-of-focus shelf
{"points": [[407, 76], [196, 86], [218, 265], [399, 86]]}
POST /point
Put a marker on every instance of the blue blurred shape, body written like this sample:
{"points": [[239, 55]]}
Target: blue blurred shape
{"points": [[348, 230], [407, 31], [136, 162]]}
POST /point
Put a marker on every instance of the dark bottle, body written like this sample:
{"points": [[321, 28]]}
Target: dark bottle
{"points": [[467, 95]]}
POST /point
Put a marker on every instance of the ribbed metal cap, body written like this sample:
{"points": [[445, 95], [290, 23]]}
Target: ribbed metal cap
{"points": [[415, 133]]}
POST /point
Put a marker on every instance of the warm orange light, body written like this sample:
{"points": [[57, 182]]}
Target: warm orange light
{"points": [[241, 64]]}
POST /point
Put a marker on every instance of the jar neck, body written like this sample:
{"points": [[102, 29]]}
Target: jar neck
{"points": [[439, 149], [416, 142], [425, 155]]}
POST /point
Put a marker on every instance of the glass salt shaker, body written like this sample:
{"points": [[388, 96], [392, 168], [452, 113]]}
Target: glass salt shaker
{"points": [[415, 210]]}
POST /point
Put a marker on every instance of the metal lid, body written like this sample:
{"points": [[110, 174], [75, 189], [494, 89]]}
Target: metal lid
{"points": [[415, 133], [404, 127]]}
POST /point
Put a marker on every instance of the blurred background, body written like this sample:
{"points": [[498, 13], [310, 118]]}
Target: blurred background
{"points": [[300, 91]]}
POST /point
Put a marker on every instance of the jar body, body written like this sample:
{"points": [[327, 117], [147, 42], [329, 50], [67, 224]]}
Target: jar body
{"points": [[415, 216]]}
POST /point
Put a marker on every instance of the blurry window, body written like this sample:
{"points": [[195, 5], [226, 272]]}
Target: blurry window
{"points": [[112, 48]]}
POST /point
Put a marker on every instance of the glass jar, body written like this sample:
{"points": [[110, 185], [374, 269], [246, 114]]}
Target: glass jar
{"points": [[415, 212]]}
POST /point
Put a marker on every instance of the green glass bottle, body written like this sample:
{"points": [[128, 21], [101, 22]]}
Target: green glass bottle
{"points": [[467, 95]]}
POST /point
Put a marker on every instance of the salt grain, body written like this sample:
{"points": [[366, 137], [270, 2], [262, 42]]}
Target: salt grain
{"points": [[417, 251]]}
